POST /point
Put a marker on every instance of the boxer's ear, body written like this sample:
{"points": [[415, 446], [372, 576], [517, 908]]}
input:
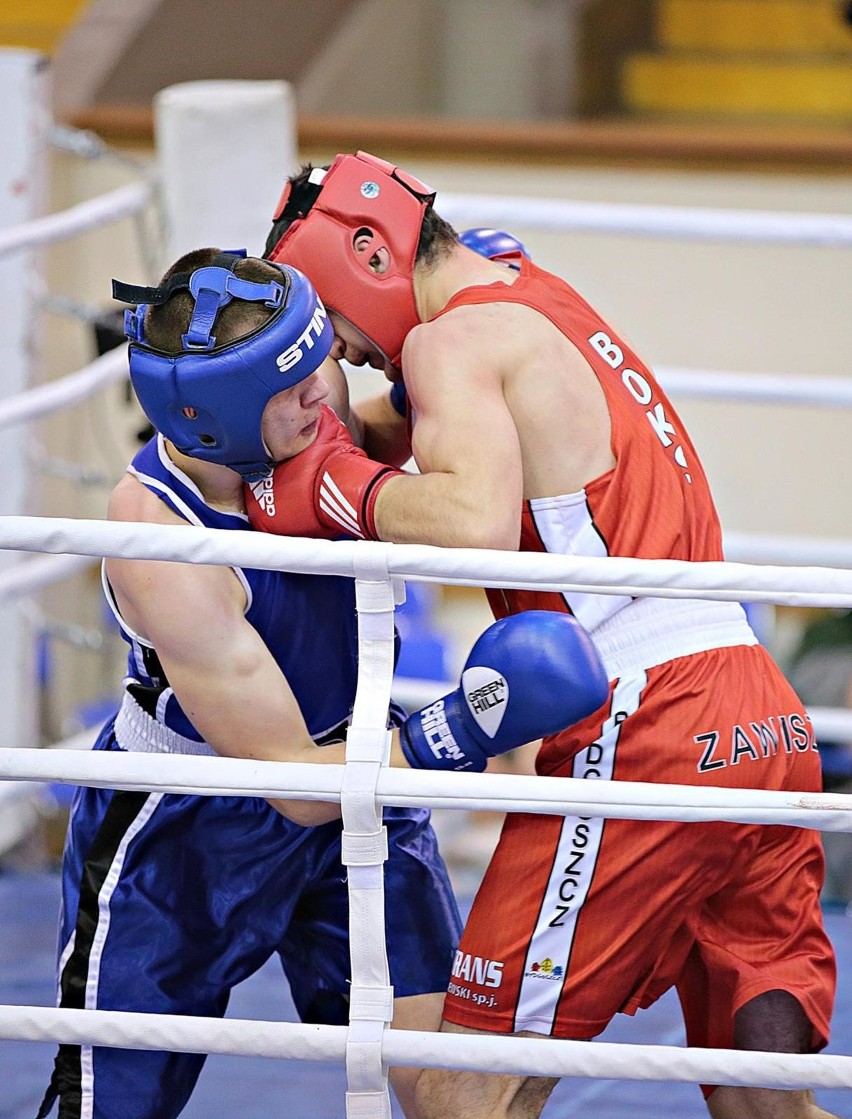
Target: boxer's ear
{"points": [[379, 262]]}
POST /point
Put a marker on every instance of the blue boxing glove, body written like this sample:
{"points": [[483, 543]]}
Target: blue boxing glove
{"points": [[399, 398], [492, 243], [529, 675]]}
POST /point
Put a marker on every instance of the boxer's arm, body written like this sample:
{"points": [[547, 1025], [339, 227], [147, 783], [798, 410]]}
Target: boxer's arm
{"points": [[465, 443], [223, 675], [384, 434]]}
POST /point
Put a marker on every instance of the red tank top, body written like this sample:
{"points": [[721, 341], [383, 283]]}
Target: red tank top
{"points": [[655, 502]]}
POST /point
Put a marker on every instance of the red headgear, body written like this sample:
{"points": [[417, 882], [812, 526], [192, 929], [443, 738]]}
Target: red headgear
{"points": [[361, 192]]}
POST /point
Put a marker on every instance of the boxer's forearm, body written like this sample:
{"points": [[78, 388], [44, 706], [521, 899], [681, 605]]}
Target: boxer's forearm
{"points": [[441, 509]]}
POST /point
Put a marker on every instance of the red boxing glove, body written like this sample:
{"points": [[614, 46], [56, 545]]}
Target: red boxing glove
{"points": [[327, 490]]}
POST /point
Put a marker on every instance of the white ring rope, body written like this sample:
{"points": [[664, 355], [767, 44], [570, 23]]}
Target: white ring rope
{"points": [[832, 723], [771, 548], [35, 574], [121, 203], [548, 214], [498, 792], [411, 1048], [826, 230], [719, 581], [813, 392], [65, 391], [681, 222], [766, 388]]}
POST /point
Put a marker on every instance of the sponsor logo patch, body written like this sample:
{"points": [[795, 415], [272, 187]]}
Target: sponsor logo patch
{"points": [[306, 340], [475, 969], [487, 696], [436, 730], [264, 495], [545, 969]]}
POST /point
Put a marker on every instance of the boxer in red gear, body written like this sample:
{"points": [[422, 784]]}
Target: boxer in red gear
{"points": [[536, 426]]}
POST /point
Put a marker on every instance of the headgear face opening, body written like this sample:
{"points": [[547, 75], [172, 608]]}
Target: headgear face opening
{"points": [[361, 192], [209, 400]]}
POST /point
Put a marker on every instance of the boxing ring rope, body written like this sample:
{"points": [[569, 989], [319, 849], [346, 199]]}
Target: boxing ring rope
{"points": [[363, 785], [64, 391], [494, 792], [749, 547], [415, 1049], [682, 222], [761, 388], [617, 575], [816, 392], [126, 201]]}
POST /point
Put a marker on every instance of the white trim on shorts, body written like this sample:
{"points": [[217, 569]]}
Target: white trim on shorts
{"points": [[549, 954], [652, 631], [136, 732]]}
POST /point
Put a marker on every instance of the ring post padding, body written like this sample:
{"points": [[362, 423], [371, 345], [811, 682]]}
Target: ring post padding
{"points": [[225, 149], [24, 90], [364, 842]]}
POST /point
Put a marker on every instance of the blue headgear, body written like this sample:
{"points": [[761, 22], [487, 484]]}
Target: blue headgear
{"points": [[208, 400], [493, 243]]}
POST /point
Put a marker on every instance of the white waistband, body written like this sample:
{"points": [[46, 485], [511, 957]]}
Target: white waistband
{"points": [[651, 631], [138, 733]]}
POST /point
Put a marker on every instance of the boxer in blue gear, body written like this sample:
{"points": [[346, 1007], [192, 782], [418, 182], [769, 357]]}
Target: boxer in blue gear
{"points": [[169, 901], [208, 398]]}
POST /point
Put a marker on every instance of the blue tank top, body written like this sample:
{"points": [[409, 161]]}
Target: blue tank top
{"points": [[308, 622]]}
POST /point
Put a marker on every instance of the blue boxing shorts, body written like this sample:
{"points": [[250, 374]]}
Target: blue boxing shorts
{"points": [[169, 901]]}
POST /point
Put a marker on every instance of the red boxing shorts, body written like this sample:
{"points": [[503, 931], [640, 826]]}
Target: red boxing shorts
{"points": [[580, 918]]}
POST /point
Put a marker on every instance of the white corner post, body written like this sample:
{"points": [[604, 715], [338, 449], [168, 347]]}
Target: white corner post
{"points": [[24, 92], [225, 149]]}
